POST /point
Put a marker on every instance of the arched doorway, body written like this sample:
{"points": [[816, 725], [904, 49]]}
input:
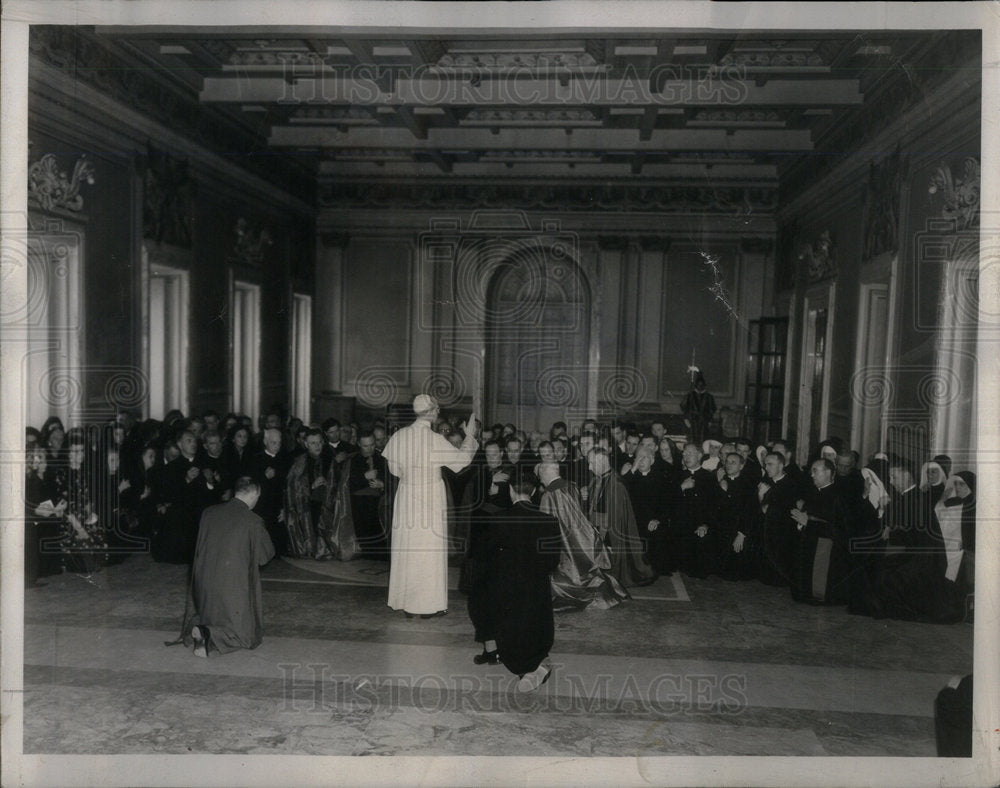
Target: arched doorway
{"points": [[537, 338]]}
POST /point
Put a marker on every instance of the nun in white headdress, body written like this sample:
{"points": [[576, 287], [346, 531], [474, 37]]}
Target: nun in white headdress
{"points": [[418, 572]]}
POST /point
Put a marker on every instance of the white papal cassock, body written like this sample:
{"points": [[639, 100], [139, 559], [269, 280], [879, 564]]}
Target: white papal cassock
{"points": [[418, 573]]}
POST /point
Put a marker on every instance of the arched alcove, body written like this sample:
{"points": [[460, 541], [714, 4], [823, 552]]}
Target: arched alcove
{"points": [[537, 337]]}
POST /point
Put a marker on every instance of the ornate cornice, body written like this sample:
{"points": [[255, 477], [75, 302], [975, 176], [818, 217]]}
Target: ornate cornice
{"points": [[49, 187], [606, 198], [960, 194], [127, 79]]}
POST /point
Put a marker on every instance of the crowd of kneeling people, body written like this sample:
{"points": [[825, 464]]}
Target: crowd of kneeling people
{"points": [[890, 539]]}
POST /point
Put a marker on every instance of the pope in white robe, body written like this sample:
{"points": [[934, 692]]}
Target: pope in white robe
{"points": [[418, 571]]}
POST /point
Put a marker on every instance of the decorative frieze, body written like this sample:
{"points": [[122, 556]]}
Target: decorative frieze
{"points": [[49, 187], [603, 197]]}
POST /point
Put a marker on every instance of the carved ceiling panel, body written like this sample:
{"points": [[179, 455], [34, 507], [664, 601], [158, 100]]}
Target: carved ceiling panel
{"points": [[727, 108]]}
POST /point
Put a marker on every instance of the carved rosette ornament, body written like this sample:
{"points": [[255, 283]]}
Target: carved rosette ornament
{"points": [[250, 243], [960, 195], [50, 188]]}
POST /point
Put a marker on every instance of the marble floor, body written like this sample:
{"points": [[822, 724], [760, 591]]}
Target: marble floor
{"points": [[719, 669]]}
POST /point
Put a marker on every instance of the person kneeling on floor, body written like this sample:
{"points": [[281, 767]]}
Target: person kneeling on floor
{"points": [[522, 549], [224, 611]]}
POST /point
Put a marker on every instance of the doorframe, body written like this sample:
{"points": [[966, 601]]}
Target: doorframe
{"points": [[169, 262], [815, 297], [867, 288], [67, 337], [490, 326]]}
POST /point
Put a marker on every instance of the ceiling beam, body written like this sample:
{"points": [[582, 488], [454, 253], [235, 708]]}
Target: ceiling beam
{"points": [[648, 124], [533, 93], [598, 140], [442, 161], [748, 174], [414, 124]]}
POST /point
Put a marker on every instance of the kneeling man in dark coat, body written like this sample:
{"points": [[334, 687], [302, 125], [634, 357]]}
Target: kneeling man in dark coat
{"points": [[224, 610], [522, 549]]}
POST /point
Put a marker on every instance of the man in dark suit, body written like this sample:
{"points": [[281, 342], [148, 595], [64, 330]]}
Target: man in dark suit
{"points": [[521, 549], [777, 496], [183, 495], [579, 468], [650, 497], [694, 508], [224, 611], [270, 468], [736, 538], [904, 522], [800, 479], [369, 474]]}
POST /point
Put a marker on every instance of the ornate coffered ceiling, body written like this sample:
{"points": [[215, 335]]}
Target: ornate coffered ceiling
{"points": [[727, 109]]}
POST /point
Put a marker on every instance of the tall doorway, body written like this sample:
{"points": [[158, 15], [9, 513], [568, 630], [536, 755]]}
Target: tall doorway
{"points": [[54, 370], [538, 338], [814, 381], [869, 390], [168, 340]]}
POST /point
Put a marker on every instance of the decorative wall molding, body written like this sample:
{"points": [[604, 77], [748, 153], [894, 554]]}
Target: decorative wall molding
{"points": [[818, 258], [50, 188], [168, 198], [959, 193], [250, 243], [603, 197], [881, 222]]}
